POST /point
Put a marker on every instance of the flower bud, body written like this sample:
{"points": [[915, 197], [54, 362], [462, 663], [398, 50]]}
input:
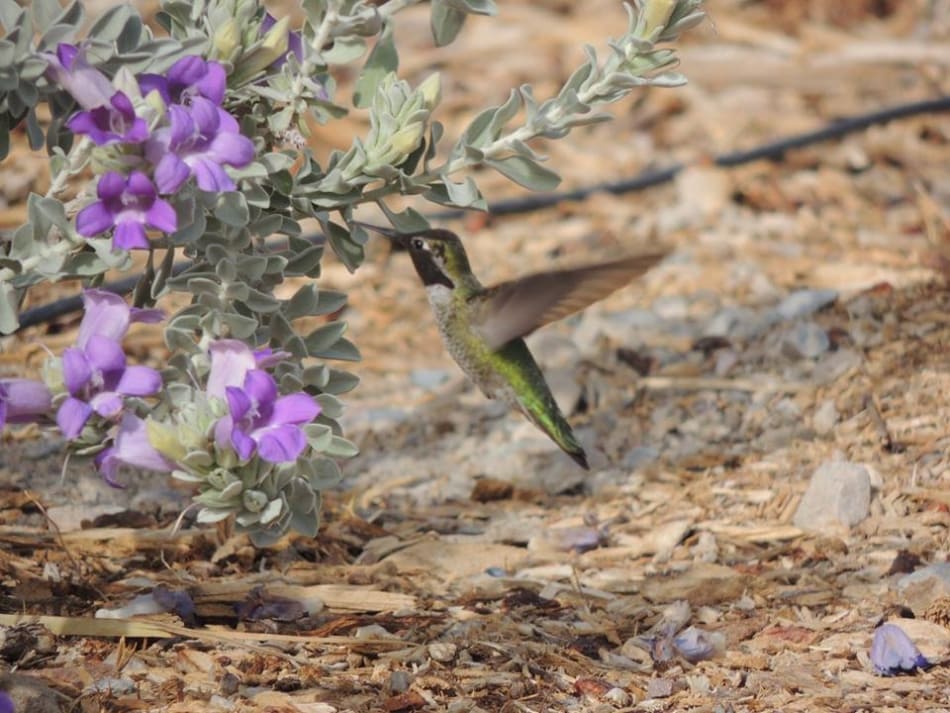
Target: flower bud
{"points": [[656, 15], [406, 140], [431, 91], [227, 40]]}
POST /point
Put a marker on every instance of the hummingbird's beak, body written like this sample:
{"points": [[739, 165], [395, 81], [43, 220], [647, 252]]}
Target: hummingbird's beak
{"points": [[391, 233]]}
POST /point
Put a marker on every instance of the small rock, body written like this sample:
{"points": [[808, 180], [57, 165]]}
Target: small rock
{"points": [[806, 340], [671, 307], [399, 681], [825, 418], [839, 494], [726, 360], [640, 455], [702, 584], [429, 378], [803, 303], [734, 322], [30, 695], [660, 688], [618, 697], [920, 589], [442, 652]]}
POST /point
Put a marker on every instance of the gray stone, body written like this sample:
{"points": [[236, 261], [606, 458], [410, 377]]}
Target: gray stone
{"points": [[564, 388], [825, 418], [806, 340], [839, 494], [671, 307], [920, 589], [735, 322], [803, 303], [429, 378], [640, 455]]}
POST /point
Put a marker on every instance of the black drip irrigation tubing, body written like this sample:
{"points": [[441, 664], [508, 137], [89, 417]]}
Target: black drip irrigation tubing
{"points": [[773, 150]]}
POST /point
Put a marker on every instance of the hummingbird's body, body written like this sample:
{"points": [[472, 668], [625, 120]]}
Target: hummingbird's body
{"points": [[483, 328]]}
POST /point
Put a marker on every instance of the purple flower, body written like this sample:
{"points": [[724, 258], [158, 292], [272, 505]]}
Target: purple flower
{"points": [[189, 77], [294, 41], [23, 401], [129, 205], [261, 421], [87, 85], [114, 122], [200, 141], [6, 703], [131, 448], [95, 371], [892, 651]]}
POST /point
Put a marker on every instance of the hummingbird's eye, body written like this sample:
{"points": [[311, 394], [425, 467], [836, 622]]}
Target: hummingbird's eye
{"points": [[418, 244]]}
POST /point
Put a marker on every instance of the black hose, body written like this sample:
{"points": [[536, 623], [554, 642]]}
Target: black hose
{"points": [[773, 150]]}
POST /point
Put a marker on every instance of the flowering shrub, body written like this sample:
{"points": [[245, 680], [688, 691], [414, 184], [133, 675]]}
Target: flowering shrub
{"points": [[194, 145]]}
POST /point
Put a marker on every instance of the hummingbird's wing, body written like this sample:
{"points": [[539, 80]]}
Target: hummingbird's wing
{"points": [[513, 309]]}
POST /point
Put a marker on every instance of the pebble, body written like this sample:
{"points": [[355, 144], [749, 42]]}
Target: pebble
{"points": [[735, 322], [639, 456], [825, 418], [839, 494], [442, 652], [660, 688], [806, 340], [399, 681], [802, 303], [429, 378], [921, 588]]}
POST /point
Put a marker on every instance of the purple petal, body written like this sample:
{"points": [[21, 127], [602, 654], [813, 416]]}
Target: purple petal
{"points": [[161, 216], [170, 173], [6, 703], [140, 186], [94, 219], [242, 443], [154, 83], [23, 400], [130, 235], [107, 404], [181, 125], [108, 466], [281, 444], [260, 387], [892, 651], [137, 133], [132, 448], [205, 115], [72, 416], [85, 122], [146, 316], [106, 315], [76, 370], [139, 381], [209, 175], [238, 402], [213, 84], [187, 71], [232, 148], [222, 431], [111, 186], [104, 354], [230, 362], [87, 85], [295, 408]]}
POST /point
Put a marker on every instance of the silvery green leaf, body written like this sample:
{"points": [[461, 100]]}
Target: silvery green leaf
{"points": [[323, 337], [325, 474], [83, 264], [526, 172], [224, 268], [261, 302], [445, 22], [668, 79], [342, 350], [241, 327], [112, 23], [10, 14], [303, 303], [318, 435], [344, 50], [475, 7], [304, 261], [350, 253], [45, 12], [316, 375], [382, 62], [330, 406], [341, 448], [9, 317], [478, 133], [340, 382], [232, 209], [198, 460], [209, 516], [464, 194], [34, 131], [407, 221]]}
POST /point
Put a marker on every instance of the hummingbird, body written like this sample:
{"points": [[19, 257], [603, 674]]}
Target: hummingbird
{"points": [[483, 328]]}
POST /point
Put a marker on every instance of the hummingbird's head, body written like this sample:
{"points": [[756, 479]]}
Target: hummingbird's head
{"points": [[438, 255]]}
